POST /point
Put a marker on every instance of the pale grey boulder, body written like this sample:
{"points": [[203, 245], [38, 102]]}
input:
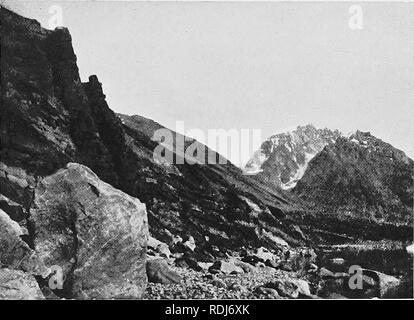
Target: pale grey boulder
{"points": [[96, 234], [14, 252], [225, 267], [18, 285]]}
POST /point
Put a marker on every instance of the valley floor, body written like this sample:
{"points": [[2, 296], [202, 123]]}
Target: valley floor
{"points": [[202, 285]]}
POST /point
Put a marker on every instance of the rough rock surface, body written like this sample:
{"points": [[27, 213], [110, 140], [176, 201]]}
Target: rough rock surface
{"points": [[14, 252], [94, 232], [158, 271], [18, 285], [283, 158], [361, 175], [201, 213]]}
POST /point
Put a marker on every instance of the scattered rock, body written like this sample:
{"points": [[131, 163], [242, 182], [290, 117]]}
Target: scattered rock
{"points": [[181, 262], [225, 267], [290, 288], [312, 268], [285, 265], [219, 283], [247, 267], [189, 262], [298, 260], [238, 287], [264, 254], [341, 275], [158, 271], [158, 247], [269, 292], [205, 265], [190, 243], [272, 264], [303, 287], [325, 273]]}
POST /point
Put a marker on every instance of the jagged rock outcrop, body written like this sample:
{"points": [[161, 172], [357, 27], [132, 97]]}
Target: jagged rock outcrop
{"points": [[95, 233], [47, 119], [158, 271], [283, 158]]}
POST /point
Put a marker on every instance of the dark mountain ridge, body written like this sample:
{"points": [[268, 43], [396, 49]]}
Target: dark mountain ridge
{"points": [[361, 176]]}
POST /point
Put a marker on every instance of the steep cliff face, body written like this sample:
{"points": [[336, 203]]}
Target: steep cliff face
{"points": [[283, 158], [47, 119], [361, 176]]}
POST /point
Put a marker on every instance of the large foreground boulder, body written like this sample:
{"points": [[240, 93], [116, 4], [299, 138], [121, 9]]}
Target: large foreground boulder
{"points": [[94, 235]]}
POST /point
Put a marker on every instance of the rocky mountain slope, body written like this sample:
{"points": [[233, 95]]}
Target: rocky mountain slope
{"points": [[357, 184], [213, 200], [50, 118], [283, 158], [83, 197], [361, 176]]}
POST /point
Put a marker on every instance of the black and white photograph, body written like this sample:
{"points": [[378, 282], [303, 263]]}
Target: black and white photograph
{"points": [[209, 155]]}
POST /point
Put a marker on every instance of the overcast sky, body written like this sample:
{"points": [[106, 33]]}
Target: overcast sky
{"points": [[267, 66]]}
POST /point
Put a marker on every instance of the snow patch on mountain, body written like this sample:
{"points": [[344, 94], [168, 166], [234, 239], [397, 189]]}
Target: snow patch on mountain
{"points": [[299, 173], [283, 158]]}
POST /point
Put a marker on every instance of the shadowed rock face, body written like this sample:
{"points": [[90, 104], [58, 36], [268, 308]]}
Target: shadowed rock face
{"points": [[361, 176], [95, 233]]}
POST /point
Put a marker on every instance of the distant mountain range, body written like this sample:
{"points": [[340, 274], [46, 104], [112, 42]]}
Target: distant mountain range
{"points": [[283, 158], [361, 175], [357, 175]]}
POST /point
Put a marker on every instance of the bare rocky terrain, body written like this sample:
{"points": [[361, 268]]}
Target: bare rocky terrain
{"points": [[88, 212]]}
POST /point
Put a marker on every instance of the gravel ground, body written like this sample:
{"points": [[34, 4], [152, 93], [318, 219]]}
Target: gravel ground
{"points": [[203, 285]]}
